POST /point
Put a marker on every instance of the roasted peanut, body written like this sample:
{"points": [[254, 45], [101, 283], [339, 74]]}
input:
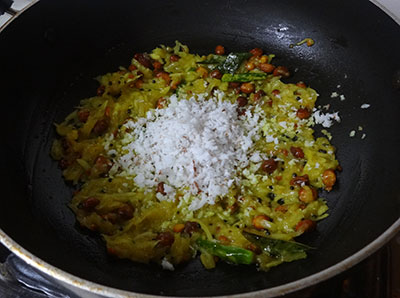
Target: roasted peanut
{"points": [[247, 88], [281, 71], [261, 222], [219, 50], [269, 166], [256, 52], [307, 194], [329, 179]]}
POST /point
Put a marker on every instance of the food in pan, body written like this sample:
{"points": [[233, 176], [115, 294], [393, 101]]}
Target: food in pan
{"points": [[180, 155]]}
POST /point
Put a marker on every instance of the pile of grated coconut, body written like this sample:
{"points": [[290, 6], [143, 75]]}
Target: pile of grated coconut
{"points": [[196, 144]]}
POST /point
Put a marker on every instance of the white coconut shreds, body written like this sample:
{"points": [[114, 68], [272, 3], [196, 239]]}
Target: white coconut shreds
{"points": [[326, 120], [196, 144], [166, 265], [365, 106]]}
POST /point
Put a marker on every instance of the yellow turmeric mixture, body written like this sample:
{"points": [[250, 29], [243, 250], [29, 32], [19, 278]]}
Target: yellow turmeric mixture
{"points": [[181, 155]]}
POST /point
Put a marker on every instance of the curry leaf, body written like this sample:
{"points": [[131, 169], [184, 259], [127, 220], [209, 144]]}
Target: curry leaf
{"points": [[233, 62], [230, 254], [287, 251], [227, 64]]}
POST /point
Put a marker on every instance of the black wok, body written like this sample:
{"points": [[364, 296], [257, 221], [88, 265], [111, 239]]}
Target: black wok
{"points": [[50, 55]]}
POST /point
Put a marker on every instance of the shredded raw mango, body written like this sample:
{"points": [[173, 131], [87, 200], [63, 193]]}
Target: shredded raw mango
{"points": [[180, 153]]}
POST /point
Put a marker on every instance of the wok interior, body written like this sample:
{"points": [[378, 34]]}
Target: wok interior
{"points": [[53, 52]]}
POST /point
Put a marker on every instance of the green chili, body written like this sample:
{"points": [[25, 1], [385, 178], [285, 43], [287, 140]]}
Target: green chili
{"points": [[243, 77], [215, 59]]}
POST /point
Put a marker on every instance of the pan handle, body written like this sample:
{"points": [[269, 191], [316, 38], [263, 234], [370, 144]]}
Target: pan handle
{"points": [[18, 279], [5, 5], [10, 9]]}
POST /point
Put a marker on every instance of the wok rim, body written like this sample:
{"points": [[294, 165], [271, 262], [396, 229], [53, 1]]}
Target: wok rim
{"points": [[79, 283], [106, 291]]}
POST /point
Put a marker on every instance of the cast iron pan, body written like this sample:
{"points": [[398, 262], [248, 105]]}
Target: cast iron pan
{"points": [[50, 55]]}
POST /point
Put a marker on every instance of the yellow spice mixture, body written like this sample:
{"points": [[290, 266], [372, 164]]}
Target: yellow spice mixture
{"points": [[181, 153]]}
